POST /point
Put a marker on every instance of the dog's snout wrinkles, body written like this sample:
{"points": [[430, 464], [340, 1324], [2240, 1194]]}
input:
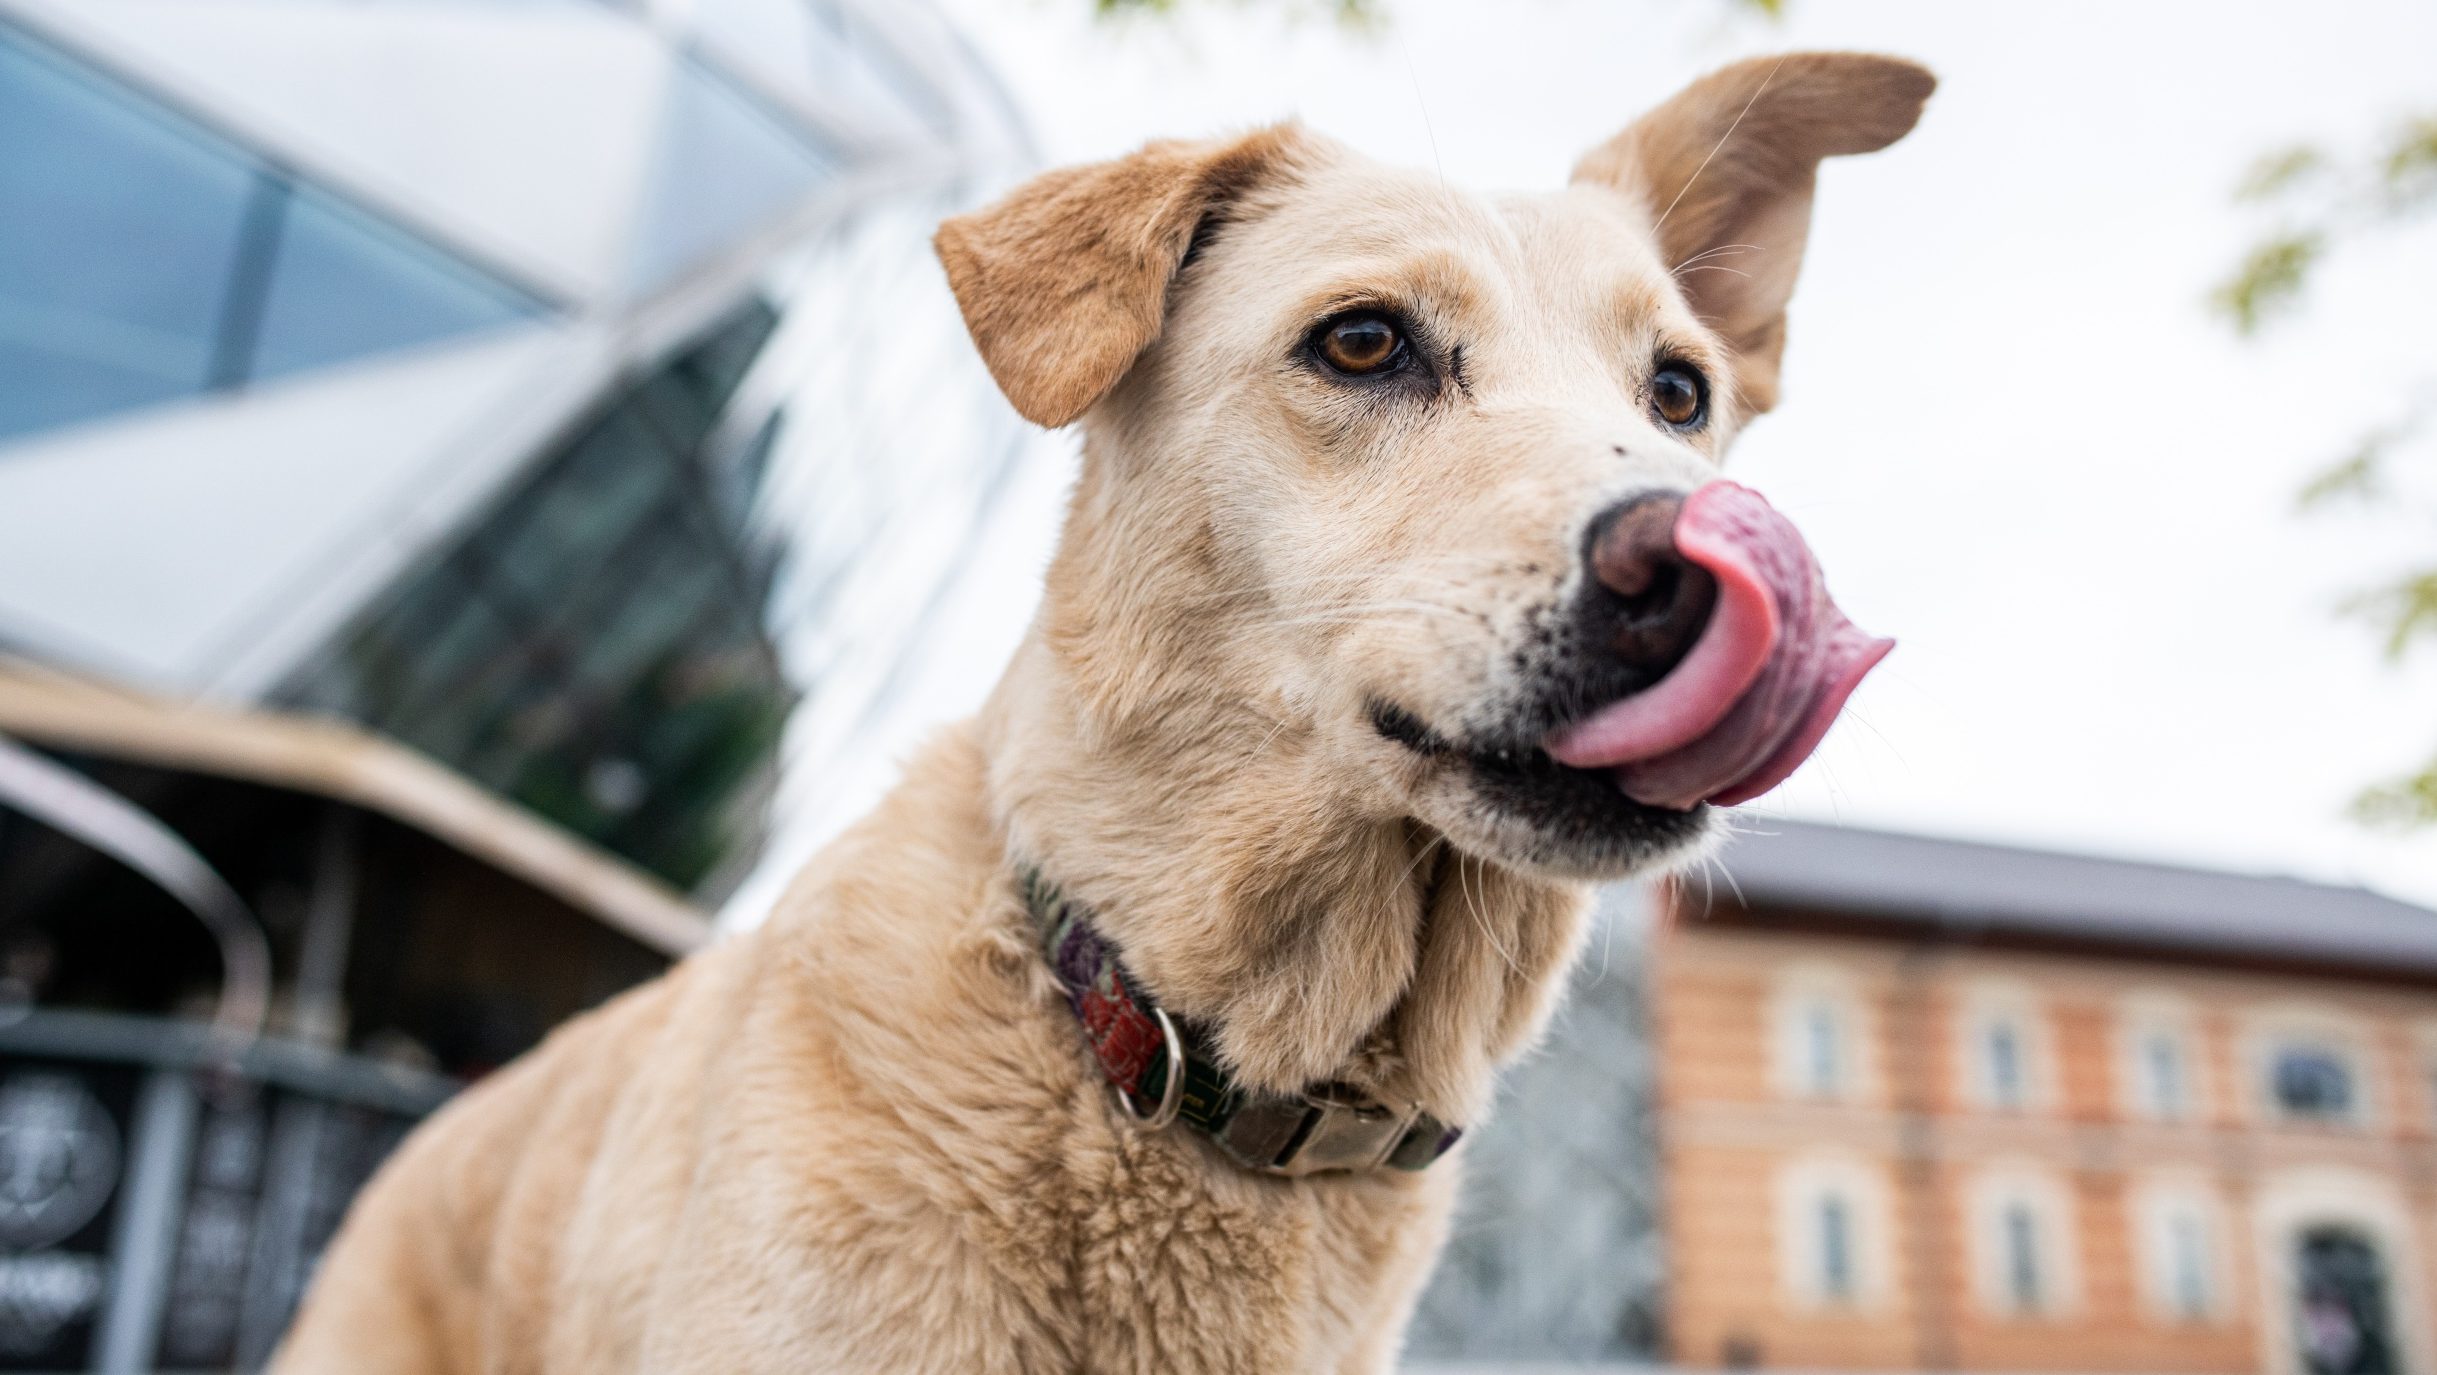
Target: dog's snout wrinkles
{"points": [[1658, 599]]}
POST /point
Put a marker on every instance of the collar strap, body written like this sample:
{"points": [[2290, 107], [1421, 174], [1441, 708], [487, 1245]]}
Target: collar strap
{"points": [[1159, 1077]]}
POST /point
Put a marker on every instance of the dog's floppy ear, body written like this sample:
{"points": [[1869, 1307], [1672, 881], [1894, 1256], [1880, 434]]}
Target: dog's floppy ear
{"points": [[1726, 170], [1064, 283]]}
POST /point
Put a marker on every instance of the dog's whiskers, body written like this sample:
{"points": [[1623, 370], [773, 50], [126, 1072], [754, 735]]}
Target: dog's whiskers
{"points": [[1480, 920], [1269, 739], [1449, 570], [1356, 615], [1679, 268]]}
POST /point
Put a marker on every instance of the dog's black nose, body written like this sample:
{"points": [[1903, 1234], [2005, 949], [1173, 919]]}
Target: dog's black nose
{"points": [[1647, 599]]}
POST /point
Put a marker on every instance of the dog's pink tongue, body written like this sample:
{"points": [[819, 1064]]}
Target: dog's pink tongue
{"points": [[1760, 687]]}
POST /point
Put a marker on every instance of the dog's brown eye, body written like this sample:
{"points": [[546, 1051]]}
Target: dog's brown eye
{"points": [[1677, 394], [1361, 344]]}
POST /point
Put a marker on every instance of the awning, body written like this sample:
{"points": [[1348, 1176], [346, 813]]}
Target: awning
{"points": [[336, 760]]}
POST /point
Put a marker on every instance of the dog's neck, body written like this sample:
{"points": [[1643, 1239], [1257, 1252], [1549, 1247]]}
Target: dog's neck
{"points": [[1316, 936]]}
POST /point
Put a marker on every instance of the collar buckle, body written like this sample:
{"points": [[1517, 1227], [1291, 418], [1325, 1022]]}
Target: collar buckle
{"points": [[1319, 1131], [1346, 1132]]}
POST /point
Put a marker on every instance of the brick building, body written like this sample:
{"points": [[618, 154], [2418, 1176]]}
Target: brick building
{"points": [[1930, 1105]]}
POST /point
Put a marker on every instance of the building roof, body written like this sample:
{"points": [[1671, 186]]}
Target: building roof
{"points": [[332, 759], [1974, 890]]}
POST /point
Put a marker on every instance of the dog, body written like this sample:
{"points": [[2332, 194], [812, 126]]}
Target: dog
{"points": [[1135, 1030]]}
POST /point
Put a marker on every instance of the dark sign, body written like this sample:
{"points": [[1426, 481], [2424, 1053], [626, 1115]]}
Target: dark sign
{"points": [[64, 1130], [169, 1212]]}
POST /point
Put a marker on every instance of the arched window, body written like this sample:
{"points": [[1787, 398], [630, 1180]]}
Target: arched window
{"points": [[2165, 1083], [2179, 1238], [2187, 1265], [2021, 1221], [1819, 1034], [1823, 1051], [1832, 1232], [2312, 1064], [2313, 1081], [1836, 1278], [2003, 1048], [2025, 1290], [2008, 1083], [2160, 1058]]}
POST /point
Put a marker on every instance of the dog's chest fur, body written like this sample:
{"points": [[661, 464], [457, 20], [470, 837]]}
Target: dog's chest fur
{"points": [[866, 1138]]}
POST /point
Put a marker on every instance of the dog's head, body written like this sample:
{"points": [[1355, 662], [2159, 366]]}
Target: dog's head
{"points": [[1426, 482]]}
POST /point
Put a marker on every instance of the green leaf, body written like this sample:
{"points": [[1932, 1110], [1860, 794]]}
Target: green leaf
{"points": [[2270, 280], [2415, 613], [2278, 172], [2356, 475], [2404, 609], [2409, 169], [2403, 804], [2360, 474]]}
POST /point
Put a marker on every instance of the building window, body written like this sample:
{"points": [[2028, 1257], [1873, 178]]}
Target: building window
{"points": [[341, 283], [2309, 1064], [144, 257], [729, 165], [2008, 1086], [119, 230], [594, 646], [2313, 1082], [1823, 1056], [2021, 1222], [2175, 1236], [2023, 1287], [2187, 1265], [2165, 1087], [1818, 1035], [1831, 1236], [1836, 1248], [2002, 1048], [2159, 1060]]}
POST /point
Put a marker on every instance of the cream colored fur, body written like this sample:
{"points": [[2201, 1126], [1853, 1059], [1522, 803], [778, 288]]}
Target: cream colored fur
{"points": [[868, 1136]]}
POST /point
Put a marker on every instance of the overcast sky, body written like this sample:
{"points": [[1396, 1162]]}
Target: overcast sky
{"points": [[2010, 427]]}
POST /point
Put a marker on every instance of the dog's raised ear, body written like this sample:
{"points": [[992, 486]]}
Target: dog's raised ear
{"points": [[1726, 170], [1064, 283]]}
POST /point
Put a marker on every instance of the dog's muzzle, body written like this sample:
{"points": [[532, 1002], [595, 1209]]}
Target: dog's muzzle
{"points": [[1718, 602]]}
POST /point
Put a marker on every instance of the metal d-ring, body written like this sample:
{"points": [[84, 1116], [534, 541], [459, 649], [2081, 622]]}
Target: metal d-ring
{"points": [[1172, 1097]]}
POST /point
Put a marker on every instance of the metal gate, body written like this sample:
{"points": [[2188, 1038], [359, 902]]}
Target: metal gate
{"points": [[162, 1206]]}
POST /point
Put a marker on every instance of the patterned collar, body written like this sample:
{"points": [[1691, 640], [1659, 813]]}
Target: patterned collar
{"points": [[1159, 1078]]}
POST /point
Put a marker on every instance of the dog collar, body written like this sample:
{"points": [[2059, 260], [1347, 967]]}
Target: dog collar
{"points": [[1159, 1079]]}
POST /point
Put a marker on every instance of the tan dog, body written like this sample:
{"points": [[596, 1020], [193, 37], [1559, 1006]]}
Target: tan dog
{"points": [[1382, 516]]}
